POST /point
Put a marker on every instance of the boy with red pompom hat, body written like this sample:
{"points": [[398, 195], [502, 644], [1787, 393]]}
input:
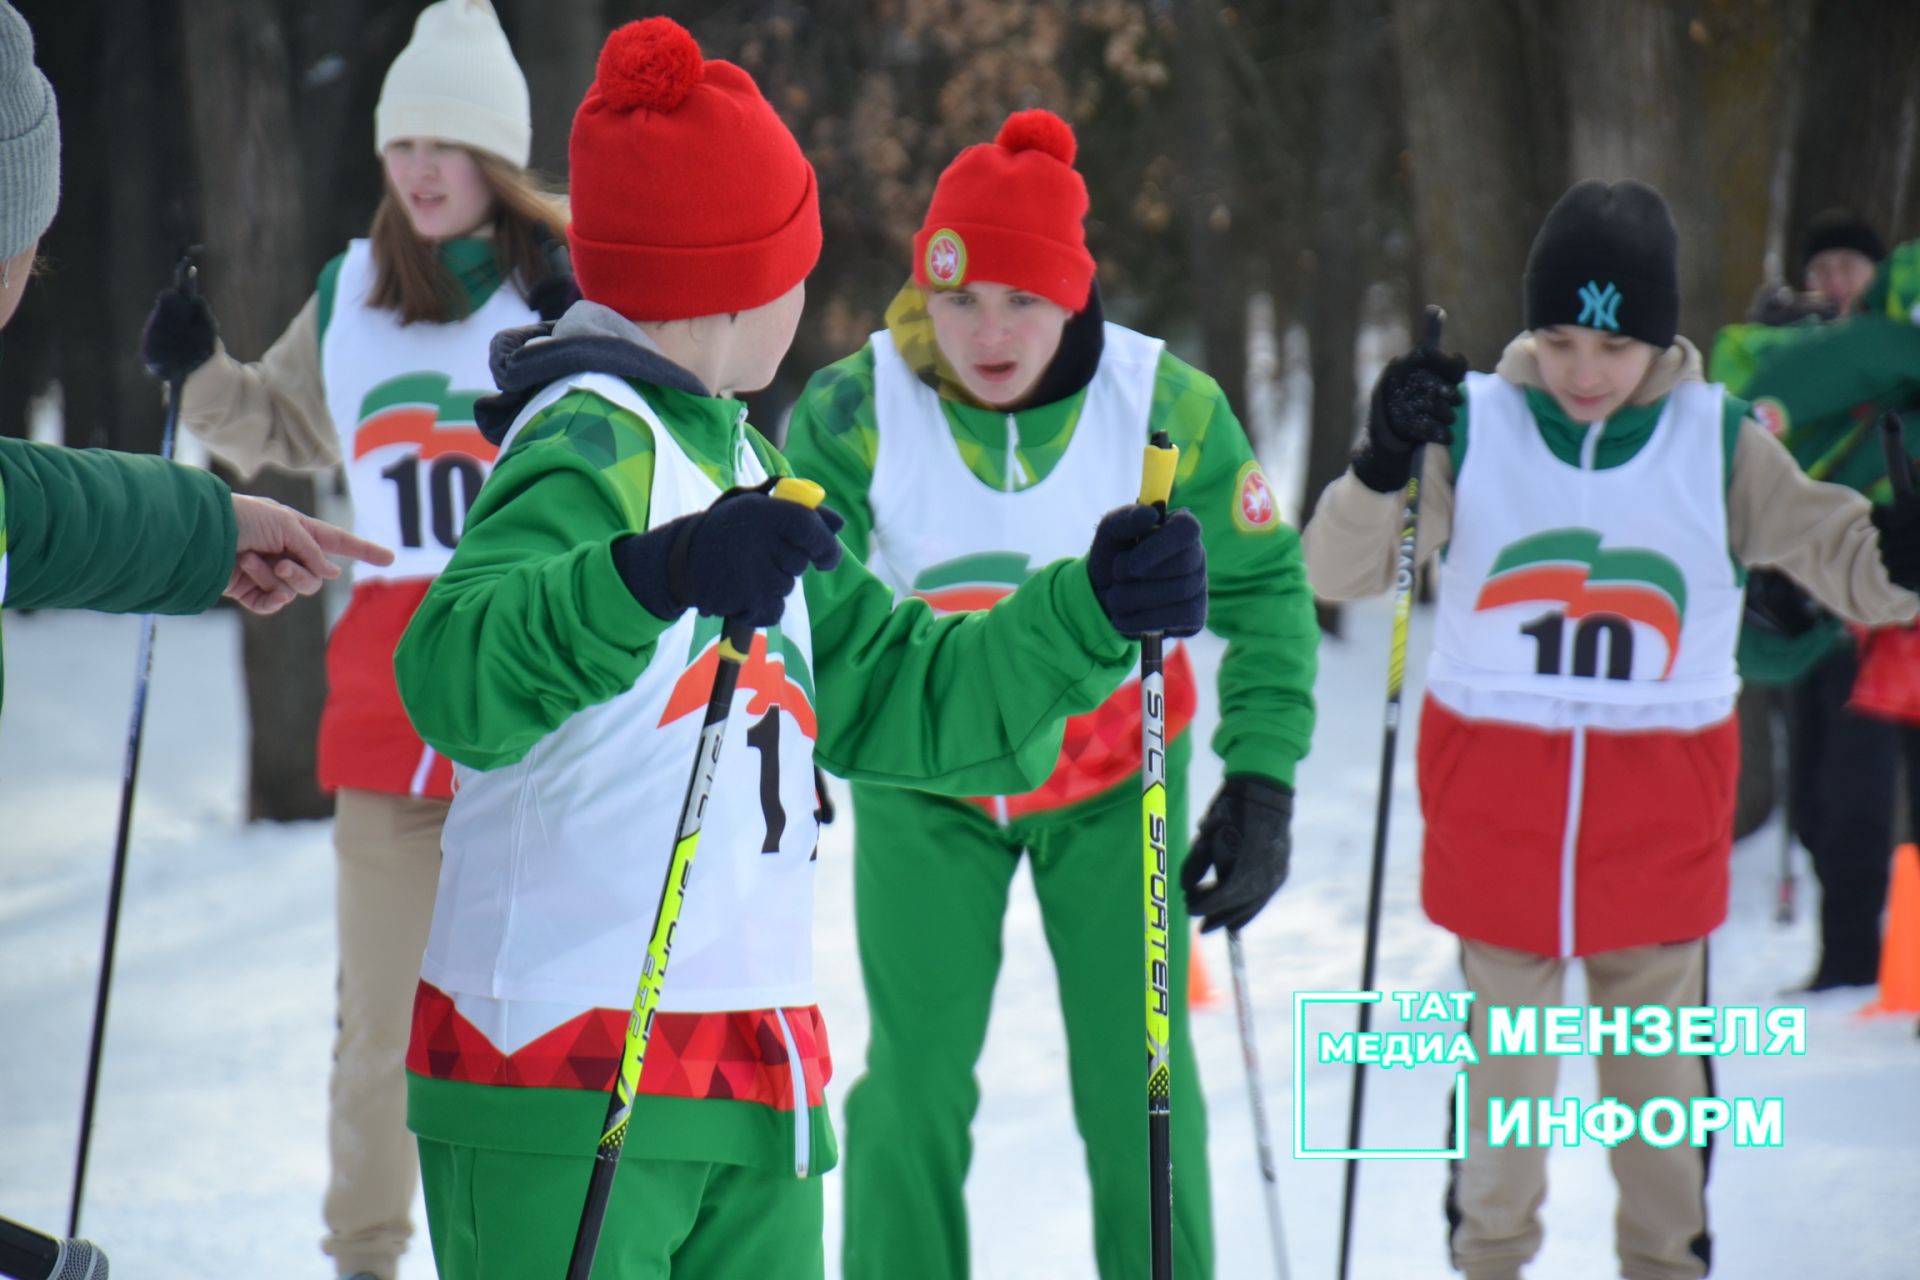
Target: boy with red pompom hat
{"points": [[564, 660], [967, 445]]}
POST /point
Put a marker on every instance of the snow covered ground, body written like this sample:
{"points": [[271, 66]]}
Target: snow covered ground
{"points": [[208, 1159]]}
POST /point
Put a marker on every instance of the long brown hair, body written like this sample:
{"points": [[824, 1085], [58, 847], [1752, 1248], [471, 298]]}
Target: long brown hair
{"points": [[408, 276]]}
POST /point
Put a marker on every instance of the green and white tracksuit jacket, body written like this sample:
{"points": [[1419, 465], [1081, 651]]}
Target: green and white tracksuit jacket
{"points": [[573, 714], [957, 504]]}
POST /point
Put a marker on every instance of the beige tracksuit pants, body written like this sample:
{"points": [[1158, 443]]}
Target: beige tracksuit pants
{"points": [[388, 849], [1494, 1195]]}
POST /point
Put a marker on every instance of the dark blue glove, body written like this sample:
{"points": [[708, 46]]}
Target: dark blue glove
{"points": [[1149, 574], [738, 559], [1413, 404], [179, 335], [1245, 843]]}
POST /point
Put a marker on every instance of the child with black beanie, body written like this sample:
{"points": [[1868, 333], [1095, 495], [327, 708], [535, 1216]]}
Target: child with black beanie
{"points": [[1598, 501]]}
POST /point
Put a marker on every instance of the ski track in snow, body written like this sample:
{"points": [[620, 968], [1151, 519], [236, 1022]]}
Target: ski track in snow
{"points": [[208, 1155]]}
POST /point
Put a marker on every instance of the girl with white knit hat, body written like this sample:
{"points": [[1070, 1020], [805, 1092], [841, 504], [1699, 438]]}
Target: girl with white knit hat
{"points": [[378, 373]]}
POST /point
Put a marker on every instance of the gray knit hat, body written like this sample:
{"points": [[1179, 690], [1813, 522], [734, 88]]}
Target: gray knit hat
{"points": [[29, 139]]}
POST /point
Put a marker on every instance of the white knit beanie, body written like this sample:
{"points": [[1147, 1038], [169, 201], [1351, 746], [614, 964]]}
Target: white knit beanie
{"points": [[457, 80], [29, 140]]}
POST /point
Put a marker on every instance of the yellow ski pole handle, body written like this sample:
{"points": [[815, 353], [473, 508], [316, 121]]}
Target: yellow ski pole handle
{"points": [[1157, 466], [794, 489]]}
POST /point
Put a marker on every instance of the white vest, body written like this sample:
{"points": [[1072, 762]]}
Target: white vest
{"points": [[930, 512], [553, 865], [1573, 596], [401, 397]]}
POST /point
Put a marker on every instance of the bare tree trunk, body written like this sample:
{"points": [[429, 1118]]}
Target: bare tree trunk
{"points": [[557, 46], [1747, 125], [1354, 139], [248, 157], [1858, 140], [1218, 289], [1484, 171], [1649, 126]]}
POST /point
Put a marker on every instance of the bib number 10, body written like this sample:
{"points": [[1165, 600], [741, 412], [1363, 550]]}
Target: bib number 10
{"points": [[446, 510], [1592, 634]]}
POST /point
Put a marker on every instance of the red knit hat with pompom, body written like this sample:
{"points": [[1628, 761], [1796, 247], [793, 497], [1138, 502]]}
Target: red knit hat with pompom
{"points": [[1010, 211], [690, 197]]}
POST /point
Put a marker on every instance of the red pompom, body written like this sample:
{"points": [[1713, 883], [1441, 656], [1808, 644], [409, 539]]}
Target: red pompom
{"points": [[650, 65], [1039, 130]]}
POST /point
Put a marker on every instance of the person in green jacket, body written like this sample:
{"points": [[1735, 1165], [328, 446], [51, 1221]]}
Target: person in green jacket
{"points": [[120, 533], [564, 660], [967, 445], [1824, 393]]}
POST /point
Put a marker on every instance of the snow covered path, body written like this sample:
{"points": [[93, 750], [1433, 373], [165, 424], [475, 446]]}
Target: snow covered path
{"points": [[208, 1153]]}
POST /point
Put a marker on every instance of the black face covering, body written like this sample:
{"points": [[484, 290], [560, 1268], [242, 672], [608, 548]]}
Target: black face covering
{"points": [[1078, 358]]}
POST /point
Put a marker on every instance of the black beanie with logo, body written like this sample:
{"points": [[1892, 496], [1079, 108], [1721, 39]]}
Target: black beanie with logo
{"points": [[1607, 258]]}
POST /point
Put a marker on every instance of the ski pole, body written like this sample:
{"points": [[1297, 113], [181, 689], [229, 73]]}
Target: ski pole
{"points": [[1263, 1141], [1396, 671], [186, 279], [1156, 486], [1899, 466], [736, 642]]}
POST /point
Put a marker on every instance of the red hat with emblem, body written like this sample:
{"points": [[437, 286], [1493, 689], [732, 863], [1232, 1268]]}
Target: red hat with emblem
{"points": [[689, 195], [1011, 211]]}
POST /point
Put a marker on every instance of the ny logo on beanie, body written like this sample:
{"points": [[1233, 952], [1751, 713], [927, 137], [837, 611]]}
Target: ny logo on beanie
{"points": [[1598, 306]]}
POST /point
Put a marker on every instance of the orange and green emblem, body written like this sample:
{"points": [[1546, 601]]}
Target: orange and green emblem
{"points": [[775, 673], [973, 582], [422, 410], [1568, 567]]}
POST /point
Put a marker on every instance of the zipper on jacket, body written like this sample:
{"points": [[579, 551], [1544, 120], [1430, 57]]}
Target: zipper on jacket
{"points": [[1577, 765], [1570, 838], [802, 1118], [1013, 455], [1000, 810]]}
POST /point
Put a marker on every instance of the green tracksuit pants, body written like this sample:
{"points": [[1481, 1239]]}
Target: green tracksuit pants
{"points": [[931, 877], [512, 1215]]}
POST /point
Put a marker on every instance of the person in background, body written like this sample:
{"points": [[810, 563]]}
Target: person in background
{"points": [[378, 372], [969, 445]]}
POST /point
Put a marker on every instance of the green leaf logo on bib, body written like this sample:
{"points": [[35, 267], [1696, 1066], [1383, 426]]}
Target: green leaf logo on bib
{"points": [[1568, 567]]}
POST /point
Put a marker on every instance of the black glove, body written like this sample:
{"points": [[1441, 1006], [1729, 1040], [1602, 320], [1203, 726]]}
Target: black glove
{"points": [[179, 335], [1899, 526], [556, 290], [738, 559], [1245, 844], [1150, 574], [1413, 404], [1778, 605]]}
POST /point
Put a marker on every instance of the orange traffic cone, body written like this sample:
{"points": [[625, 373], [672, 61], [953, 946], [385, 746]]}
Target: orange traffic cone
{"points": [[1900, 948], [1200, 992]]}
